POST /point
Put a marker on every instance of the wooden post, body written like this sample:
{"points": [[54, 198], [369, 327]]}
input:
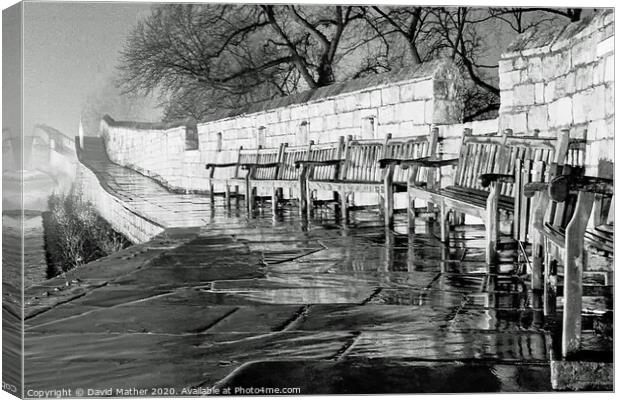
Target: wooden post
{"points": [[431, 174], [410, 211], [492, 225], [574, 263], [227, 194], [388, 190], [343, 207], [443, 222], [274, 201], [303, 184], [541, 200]]}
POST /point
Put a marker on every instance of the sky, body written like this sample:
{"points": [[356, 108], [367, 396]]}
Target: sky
{"points": [[70, 50]]}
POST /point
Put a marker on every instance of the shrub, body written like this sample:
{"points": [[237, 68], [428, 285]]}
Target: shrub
{"points": [[76, 234]]}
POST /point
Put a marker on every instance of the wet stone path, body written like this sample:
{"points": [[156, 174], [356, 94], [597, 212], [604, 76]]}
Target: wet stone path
{"points": [[275, 302]]}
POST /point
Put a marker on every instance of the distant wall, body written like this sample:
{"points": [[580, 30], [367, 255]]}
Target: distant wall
{"points": [[558, 78], [162, 151]]}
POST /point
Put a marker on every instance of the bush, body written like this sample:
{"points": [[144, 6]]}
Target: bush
{"points": [[76, 234]]}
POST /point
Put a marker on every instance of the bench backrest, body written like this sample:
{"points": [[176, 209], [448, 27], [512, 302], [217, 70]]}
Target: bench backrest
{"points": [[361, 160], [479, 154], [268, 156], [407, 148], [325, 152], [291, 154]]}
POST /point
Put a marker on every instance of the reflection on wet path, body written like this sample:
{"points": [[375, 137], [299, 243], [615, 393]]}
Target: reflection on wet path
{"points": [[275, 301]]}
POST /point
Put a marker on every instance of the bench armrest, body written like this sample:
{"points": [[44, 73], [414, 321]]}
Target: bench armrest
{"points": [[223, 165], [486, 179], [385, 162], [317, 163], [259, 165], [562, 185], [429, 162], [530, 189]]}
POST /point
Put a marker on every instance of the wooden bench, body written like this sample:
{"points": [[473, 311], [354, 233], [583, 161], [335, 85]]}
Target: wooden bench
{"points": [[562, 210], [279, 174], [250, 163], [368, 166], [485, 179]]}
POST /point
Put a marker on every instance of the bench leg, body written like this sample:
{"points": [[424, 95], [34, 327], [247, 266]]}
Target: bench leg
{"points": [[492, 226], [388, 191], [410, 212], [550, 285], [344, 209], [227, 195], [303, 198], [443, 222], [236, 192], [574, 263], [249, 199], [211, 193], [537, 265], [274, 201]]}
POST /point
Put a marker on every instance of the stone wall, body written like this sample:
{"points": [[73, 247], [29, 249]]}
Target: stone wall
{"points": [[563, 77], [136, 228], [161, 151], [405, 102]]}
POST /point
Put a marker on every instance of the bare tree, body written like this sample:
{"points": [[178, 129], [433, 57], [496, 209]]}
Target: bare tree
{"points": [[202, 57]]}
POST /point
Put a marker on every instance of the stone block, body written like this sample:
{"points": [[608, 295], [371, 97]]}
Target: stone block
{"points": [[517, 122], [598, 102], [384, 129], [390, 95], [609, 99], [535, 69], [605, 47], [375, 98], [405, 129], [327, 107], [299, 113], [346, 120], [410, 111], [363, 100], [407, 92], [556, 65], [537, 118], [345, 104], [313, 110], [425, 90], [509, 79], [598, 72], [524, 94], [539, 93], [609, 68], [561, 112], [316, 124], [447, 112], [386, 114], [584, 52], [429, 109], [505, 65], [331, 121], [565, 85], [519, 63], [583, 77], [549, 91], [506, 99], [285, 113]]}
